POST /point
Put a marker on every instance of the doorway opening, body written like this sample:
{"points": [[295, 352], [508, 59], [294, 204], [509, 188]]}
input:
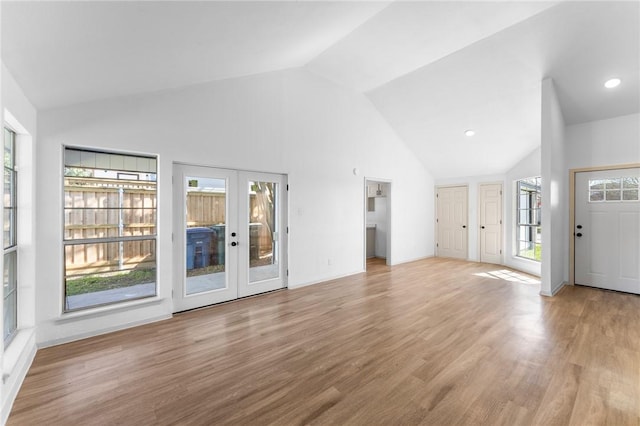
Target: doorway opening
{"points": [[377, 232]]}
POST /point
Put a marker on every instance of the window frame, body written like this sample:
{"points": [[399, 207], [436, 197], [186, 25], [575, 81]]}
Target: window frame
{"points": [[534, 221], [10, 248], [66, 242]]}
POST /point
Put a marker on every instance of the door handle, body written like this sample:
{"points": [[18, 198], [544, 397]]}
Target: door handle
{"points": [[233, 244], [579, 226], [464, 226], [482, 227], [579, 234]]}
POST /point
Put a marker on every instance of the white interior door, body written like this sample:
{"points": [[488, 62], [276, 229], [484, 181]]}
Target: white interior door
{"points": [[451, 221], [227, 235], [607, 229], [491, 223]]}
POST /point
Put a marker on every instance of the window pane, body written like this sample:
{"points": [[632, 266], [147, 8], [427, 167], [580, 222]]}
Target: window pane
{"points": [[612, 183], [596, 184], [613, 195], [630, 182], [529, 213], [596, 196], [9, 188], [9, 147], [524, 200], [83, 223], [113, 197], [10, 295], [102, 273], [630, 195]]}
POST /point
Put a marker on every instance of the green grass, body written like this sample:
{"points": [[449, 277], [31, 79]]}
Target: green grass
{"points": [[94, 283], [534, 253]]}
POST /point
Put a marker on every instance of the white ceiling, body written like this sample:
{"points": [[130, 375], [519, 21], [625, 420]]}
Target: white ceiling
{"points": [[69, 52], [493, 85], [433, 69]]}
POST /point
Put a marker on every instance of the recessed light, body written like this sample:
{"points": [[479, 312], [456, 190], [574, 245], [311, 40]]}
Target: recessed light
{"points": [[611, 83], [469, 133]]}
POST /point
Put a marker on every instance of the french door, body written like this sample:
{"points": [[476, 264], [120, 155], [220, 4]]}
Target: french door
{"points": [[229, 235]]}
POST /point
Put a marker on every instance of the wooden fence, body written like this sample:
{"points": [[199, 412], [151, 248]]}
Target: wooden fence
{"points": [[92, 210]]}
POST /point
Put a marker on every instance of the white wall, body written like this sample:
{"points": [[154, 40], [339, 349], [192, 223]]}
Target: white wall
{"points": [[554, 194], [529, 166], [21, 116], [473, 226], [284, 122], [604, 142]]}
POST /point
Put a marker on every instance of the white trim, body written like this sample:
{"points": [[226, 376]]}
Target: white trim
{"points": [[554, 291], [108, 309], [17, 361], [414, 259], [324, 280]]}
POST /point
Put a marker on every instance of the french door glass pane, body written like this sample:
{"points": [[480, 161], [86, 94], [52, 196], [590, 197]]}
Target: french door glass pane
{"points": [[263, 232], [206, 229]]}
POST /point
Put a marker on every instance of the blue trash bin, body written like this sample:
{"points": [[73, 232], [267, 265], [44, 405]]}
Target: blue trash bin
{"points": [[198, 247], [218, 239]]}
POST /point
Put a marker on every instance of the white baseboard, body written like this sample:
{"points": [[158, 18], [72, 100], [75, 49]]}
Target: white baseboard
{"points": [[93, 333], [324, 280], [13, 375], [554, 291], [416, 259]]}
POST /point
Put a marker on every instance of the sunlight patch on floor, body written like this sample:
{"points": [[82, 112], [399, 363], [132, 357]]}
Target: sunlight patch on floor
{"points": [[507, 275]]}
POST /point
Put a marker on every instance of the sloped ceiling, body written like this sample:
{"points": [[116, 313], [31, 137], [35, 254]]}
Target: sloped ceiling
{"points": [[433, 69]]}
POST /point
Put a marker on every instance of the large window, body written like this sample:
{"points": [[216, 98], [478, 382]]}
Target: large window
{"points": [[529, 236], [10, 278], [109, 228]]}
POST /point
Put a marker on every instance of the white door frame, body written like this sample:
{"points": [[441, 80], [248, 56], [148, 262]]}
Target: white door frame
{"points": [[572, 209], [389, 182], [501, 219]]}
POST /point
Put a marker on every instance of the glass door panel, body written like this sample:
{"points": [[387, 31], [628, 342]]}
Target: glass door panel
{"points": [[261, 215], [206, 210], [263, 231], [205, 225]]}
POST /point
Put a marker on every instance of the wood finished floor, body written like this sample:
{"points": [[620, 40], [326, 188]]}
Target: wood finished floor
{"points": [[434, 342]]}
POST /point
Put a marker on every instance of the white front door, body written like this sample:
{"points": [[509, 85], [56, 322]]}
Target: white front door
{"points": [[491, 223], [228, 235], [607, 229], [452, 221]]}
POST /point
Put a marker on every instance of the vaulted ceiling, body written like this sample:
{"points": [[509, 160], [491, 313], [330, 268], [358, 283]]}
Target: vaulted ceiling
{"points": [[433, 69]]}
